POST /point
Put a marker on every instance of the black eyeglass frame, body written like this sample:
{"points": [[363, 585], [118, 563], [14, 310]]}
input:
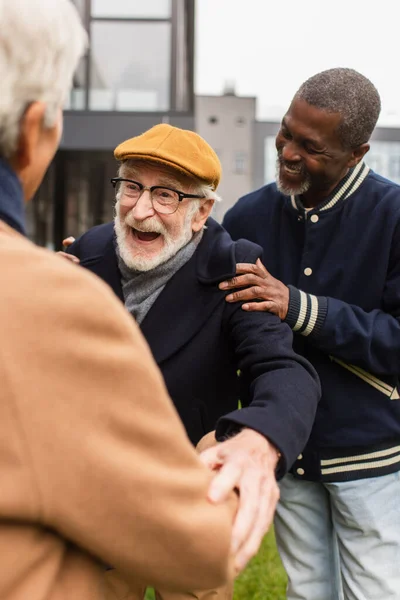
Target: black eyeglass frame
{"points": [[142, 188]]}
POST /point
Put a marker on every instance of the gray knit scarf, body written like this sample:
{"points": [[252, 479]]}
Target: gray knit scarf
{"points": [[142, 288]]}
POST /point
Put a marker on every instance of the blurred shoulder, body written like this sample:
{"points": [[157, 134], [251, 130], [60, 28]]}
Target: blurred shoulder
{"points": [[38, 283]]}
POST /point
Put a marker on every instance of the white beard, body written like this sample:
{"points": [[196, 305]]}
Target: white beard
{"points": [[140, 261], [302, 188]]}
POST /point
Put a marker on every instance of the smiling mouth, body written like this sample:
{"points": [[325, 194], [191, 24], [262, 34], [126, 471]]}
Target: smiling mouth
{"points": [[145, 236], [298, 170]]}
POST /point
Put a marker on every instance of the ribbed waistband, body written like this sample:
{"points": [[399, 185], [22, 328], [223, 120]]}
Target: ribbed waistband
{"points": [[347, 464]]}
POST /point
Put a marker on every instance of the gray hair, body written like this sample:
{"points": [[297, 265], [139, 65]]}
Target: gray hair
{"points": [[41, 42], [349, 93]]}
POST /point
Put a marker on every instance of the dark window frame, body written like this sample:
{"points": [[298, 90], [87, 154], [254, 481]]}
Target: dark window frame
{"points": [[177, 7]]}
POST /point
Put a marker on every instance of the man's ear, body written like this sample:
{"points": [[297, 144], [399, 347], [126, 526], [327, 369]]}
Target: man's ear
{"points": [[357, 155], [202, 214], [29, 134]]}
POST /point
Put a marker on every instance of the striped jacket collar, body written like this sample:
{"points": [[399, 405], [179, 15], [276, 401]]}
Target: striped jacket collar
{"points": [[345, 188]]}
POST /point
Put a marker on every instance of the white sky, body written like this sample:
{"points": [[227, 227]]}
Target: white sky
{"points": [[269, 47]]}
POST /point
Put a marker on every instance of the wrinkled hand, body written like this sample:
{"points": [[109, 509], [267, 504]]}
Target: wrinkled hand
{"points": [[246, 463], [259, 285], [66, 243]]}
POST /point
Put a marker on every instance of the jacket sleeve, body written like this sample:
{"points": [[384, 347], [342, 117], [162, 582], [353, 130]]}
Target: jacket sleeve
{"points": [[283, 387], [368, 339], [114, 470]]}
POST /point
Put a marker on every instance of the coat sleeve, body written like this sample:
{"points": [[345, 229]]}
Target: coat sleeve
{"points": [[368, 339], [114, 470], [282, 387]]}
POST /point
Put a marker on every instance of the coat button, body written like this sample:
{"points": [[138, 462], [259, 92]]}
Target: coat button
{"points": [[300, 471], [300, 456], [314, 218], [307, 271]]}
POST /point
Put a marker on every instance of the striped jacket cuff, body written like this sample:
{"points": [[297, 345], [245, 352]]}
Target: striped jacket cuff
{"points": [[306, 313]]}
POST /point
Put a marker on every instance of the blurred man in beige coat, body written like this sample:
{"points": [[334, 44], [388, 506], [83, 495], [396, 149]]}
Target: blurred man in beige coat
{"points": [[88, 476]]}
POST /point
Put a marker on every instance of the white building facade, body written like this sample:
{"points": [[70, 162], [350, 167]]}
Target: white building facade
{"points": [[227, 123]]}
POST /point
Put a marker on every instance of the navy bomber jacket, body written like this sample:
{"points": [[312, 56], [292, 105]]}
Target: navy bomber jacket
{"points": [[341, 261]]}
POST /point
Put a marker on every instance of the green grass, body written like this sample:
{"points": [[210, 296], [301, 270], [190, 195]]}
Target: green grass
{"points": [[264, 577]]}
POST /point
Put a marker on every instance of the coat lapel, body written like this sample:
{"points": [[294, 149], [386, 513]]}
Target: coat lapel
{"points": [[191, 295], [179, 312]]}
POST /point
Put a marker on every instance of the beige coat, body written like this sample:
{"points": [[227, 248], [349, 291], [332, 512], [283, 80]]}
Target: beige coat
{"points": [[95, 466]]}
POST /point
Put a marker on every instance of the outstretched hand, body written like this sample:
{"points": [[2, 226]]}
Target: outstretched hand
{"points": [[245, 463], [258, 284]]}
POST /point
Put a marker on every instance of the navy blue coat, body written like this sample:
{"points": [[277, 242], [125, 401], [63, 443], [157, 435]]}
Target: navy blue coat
{"points": [[200, 341]]}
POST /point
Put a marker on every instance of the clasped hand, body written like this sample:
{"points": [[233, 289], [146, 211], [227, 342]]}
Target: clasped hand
{"points": [[245, 463]]}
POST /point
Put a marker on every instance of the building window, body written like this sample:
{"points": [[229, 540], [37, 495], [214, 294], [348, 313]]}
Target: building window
{"points": [[376, 164], [140, 56], [131, 9], [394, 168], [213, 120], [240, 163], [270, 156], [77, 96], [122, 76]]}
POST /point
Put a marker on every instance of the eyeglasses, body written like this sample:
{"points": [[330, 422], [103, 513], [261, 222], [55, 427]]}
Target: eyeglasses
{"points": [[164, 200]]}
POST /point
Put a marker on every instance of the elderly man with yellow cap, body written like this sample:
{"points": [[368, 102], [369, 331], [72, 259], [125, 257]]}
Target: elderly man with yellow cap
{"points": [[164, 257]]}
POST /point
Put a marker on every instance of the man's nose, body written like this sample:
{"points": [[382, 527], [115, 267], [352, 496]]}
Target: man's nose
{"points": [[143, 207], [290, 152]]}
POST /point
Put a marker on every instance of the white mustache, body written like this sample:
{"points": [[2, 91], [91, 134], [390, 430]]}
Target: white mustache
{"points": [[150, 225]]}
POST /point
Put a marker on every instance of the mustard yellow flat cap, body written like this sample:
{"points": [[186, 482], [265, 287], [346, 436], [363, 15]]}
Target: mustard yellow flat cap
{"points": [[179, 149]]}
